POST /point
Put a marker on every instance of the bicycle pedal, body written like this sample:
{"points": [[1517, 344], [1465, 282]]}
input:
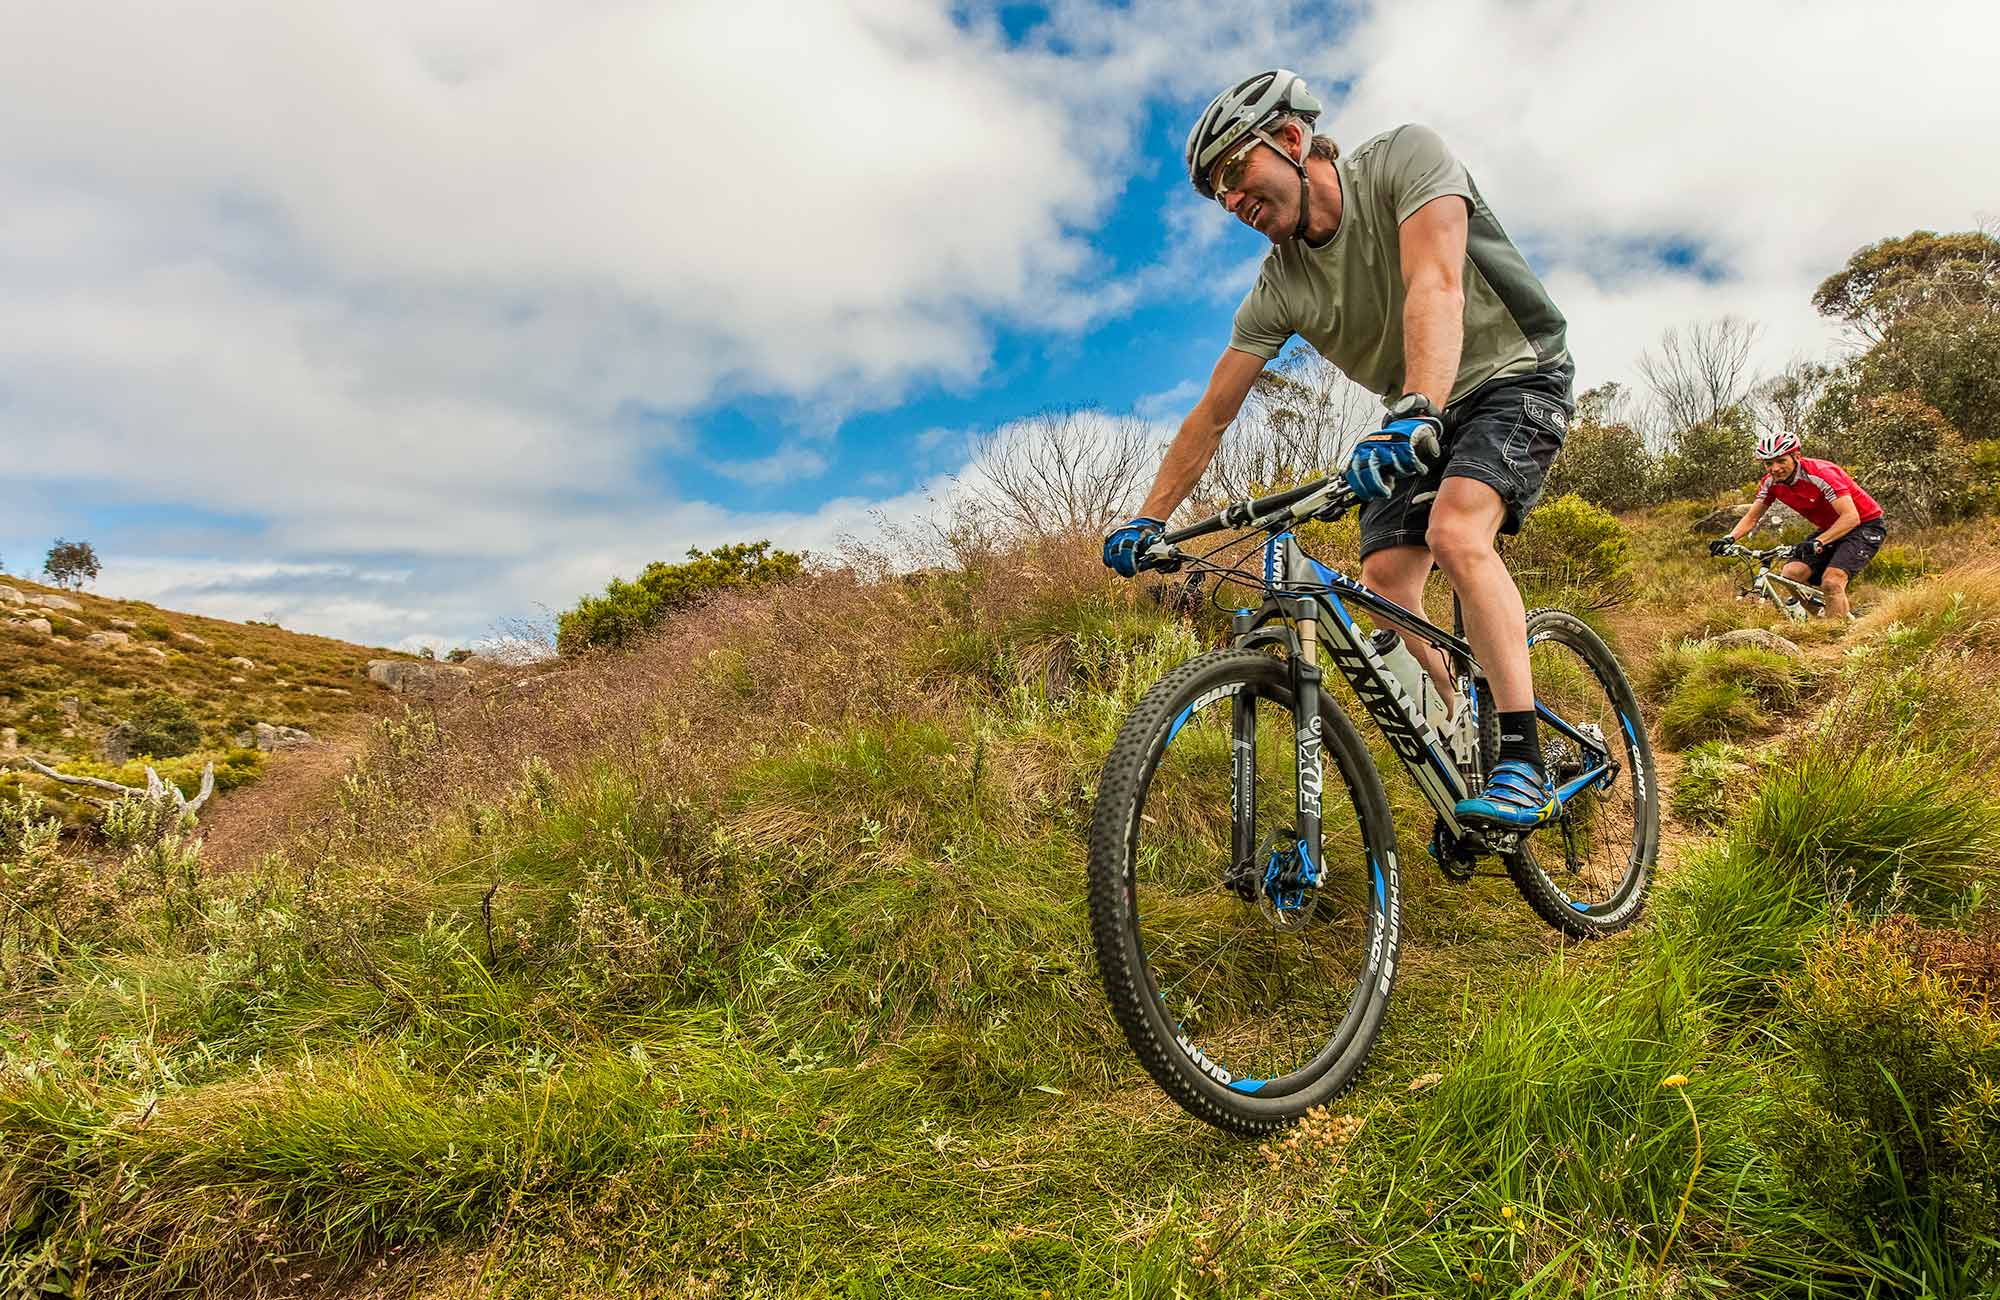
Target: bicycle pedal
{"points": [[1501, 842]]}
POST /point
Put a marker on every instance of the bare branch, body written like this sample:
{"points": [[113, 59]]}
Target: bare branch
{"points": [[68, 779], [1060, 471], [1302, 419], [156, 790], [1697, 374]]}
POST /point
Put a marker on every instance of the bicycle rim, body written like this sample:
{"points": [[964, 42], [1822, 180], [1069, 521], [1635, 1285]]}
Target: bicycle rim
{"points": [[1247, 1002], [1589, 869]]}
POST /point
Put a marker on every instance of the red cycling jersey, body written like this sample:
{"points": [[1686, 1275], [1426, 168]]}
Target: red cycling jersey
{"points": [[1813, 490]]}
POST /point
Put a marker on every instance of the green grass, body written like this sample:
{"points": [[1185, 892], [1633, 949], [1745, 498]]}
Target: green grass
{"points": [[1710, 692], [800, 1002]]}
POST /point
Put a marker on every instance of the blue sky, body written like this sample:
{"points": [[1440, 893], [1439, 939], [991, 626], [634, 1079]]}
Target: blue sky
{"points": [[401, 321]]}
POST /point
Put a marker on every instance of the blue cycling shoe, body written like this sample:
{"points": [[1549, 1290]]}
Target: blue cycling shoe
{"points": [[1515, 798]]}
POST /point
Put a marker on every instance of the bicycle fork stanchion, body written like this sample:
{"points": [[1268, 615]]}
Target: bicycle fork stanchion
{"points": [[1310, 740]]}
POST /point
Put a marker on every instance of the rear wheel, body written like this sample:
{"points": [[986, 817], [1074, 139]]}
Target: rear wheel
{"points": [[1586, 873], [1250, 981]]}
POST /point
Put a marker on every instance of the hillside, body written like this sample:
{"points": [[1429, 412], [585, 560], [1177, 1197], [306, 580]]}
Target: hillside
{"points": [[74, 665], [754, 962]]}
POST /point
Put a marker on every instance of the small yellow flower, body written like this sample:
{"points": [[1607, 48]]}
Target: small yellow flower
{"points": [[1674, 1081], [1506, 1211]]}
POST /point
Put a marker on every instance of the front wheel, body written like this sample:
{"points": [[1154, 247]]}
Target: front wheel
{"points": [[1586, 873], [1250, 981]]}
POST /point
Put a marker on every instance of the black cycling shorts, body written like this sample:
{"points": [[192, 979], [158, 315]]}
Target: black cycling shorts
{"points": [[1851, 553], [1504, 433]]}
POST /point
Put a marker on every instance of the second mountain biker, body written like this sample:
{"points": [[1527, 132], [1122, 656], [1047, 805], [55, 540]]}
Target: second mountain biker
{"points": [[1390, 264]]}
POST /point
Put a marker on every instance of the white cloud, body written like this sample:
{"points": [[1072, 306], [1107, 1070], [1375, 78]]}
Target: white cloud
{"points": [[1777, 137], [445, 282]]}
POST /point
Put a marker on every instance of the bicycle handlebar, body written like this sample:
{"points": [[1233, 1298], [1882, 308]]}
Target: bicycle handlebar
{"points": [[1326, 498], [1735, 550]]}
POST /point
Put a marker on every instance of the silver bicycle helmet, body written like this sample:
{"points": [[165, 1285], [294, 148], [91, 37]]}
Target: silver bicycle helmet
{"points": [[1246, 109], [1247, 106]]}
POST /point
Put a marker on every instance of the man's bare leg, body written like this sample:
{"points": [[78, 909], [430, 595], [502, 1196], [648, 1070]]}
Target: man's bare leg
{"points": [[1834, 583], [1398, 572], [1465, 519]]}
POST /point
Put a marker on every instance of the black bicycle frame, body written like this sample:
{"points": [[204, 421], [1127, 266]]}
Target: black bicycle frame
{"points": [[1315, 601], [1310, 597]]}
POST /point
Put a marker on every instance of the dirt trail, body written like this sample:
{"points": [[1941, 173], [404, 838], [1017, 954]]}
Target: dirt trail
{"points": [[243, 825]]}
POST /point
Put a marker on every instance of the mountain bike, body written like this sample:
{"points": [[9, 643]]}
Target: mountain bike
{"points": [[1796, 600], [1245, 892]]}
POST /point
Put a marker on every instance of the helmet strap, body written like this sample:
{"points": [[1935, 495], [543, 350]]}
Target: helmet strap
{"points": [[1305, 185]]}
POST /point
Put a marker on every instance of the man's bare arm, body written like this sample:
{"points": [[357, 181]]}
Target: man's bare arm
{"points": [[1433, 256], [1201, 432], [1748, 523], [1849, 519]]}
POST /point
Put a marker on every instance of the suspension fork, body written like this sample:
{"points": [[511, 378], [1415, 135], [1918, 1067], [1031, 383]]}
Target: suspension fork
{"points": [[1310, 739], [1311, 743]]}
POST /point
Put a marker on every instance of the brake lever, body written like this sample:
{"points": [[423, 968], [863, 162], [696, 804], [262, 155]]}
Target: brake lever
{"points": [[1162, 558]]}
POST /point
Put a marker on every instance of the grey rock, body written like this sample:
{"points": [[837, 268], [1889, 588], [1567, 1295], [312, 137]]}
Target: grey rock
{"points": [[269, 738], [108, 640], [189, 638], [157, 653], [71, 706], [10, 740], [41, 625], [1762, 638], [239, 661], [1717, 522], [117, 744], [238, 681], [412, 677], [61, 602], [123, 624], [10, 596]]}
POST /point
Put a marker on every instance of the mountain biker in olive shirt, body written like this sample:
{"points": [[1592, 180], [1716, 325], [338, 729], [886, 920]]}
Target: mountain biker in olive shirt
{"points": [[1391, 265]]}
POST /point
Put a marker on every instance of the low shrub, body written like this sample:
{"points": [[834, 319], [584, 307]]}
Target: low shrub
{"points": [[1570, 546], [162, 726], [1717, 777], [627, 609], [1896, 565], [1896, 1123]]}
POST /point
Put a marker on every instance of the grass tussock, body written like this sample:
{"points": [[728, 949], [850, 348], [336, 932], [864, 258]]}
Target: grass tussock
{"points": [[1709, 691]]}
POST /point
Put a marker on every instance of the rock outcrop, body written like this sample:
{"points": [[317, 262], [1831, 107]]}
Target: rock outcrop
{"points": [[1762, 638], [269, 738], [409, 677]]}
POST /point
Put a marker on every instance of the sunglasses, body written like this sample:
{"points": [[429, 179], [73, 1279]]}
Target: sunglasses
{"points": [[1229, 175]]}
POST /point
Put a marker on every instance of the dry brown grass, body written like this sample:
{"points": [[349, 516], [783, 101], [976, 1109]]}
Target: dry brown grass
{"points": [[741, 676]]}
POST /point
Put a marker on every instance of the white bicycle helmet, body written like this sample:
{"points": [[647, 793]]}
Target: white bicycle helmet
{"points": [[1245, 108], [1773, 443]]}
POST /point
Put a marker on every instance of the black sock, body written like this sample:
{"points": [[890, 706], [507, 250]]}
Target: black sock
{"points": [[1519, 740]]}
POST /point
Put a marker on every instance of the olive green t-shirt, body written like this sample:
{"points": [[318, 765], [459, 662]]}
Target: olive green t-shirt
{"points": [[1346, 296]]}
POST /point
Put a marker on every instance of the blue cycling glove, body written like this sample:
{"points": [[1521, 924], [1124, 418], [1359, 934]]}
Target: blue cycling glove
{"points": [[1389, 455], [1127, 543]]}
